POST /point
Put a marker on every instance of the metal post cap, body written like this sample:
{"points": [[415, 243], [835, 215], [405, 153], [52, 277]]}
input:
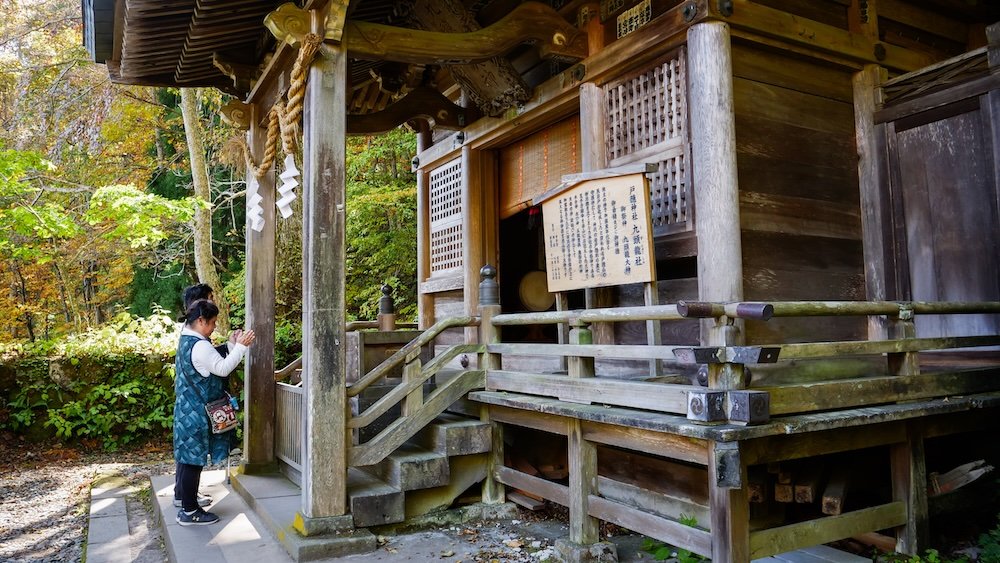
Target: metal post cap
{"points": [[385, 303], [489, 291]]}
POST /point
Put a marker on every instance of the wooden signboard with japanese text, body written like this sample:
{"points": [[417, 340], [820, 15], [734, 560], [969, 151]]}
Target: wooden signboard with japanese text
{"points": [[598, 233]]}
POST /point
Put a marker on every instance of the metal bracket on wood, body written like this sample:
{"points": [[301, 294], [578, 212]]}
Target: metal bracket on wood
{"points": [[728, 465], [729, 354], [748, 407], [706, 406]]}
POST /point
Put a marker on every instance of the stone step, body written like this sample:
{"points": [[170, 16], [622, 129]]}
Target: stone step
{"points": [[455, 435], [411, 467], [373, 501]]}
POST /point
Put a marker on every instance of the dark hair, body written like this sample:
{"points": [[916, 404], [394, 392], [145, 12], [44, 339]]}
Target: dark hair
{"points": [[196, 292], [201, 309]]}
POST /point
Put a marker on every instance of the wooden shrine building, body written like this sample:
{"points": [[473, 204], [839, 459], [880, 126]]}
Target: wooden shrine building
{"points": [[743, 292]]}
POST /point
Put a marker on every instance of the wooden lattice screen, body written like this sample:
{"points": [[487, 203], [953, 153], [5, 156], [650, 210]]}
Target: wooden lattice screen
{"points": [[446, 217], [647, 122]]}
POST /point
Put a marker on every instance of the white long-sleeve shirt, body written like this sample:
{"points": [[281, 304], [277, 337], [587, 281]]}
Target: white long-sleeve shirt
{"points": [[207, 360]]}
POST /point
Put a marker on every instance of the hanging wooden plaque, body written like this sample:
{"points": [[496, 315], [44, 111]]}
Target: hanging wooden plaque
{"points": [[598, 233]]}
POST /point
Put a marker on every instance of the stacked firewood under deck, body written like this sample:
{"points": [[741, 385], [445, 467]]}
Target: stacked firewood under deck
{"points": [[760, 468]]}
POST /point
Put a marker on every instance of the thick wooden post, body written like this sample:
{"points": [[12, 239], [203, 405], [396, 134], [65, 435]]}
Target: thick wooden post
{"points": [[720, 255], [258, 374], [489, 306], [873, 203], [909, 484], [713, 151], [594, 156], [425, 301], [323, 341], [583, 528]]}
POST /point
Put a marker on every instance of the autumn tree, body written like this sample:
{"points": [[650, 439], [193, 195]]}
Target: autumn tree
{"points": [[202, 228]]}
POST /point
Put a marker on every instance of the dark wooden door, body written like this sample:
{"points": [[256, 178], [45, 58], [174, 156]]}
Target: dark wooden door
{"points": [[947, 193]]}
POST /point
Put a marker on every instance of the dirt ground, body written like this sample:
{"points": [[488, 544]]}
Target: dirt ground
{"points": [[45, 497]]}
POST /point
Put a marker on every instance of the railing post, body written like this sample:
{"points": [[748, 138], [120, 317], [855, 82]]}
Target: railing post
{"points": [[578, 366], [489, 306], [904, 363], [386, 310], [908, 468]]}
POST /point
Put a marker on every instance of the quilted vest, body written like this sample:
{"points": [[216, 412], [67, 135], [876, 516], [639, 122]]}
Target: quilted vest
{"points": [[193, 440]]}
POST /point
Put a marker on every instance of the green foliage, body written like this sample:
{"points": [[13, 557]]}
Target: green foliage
{"points": [[287, 342], [112, 385], [989, 544], [141, 218], [154, 288], [381, 224], [120, 411], [662, 551]]}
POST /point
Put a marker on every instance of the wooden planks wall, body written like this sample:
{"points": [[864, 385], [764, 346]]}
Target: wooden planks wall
{"points": [[799, 199]]}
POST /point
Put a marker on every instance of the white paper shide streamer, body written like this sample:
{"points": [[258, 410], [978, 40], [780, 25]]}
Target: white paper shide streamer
{"points": [[286, 191], [255, 213]]}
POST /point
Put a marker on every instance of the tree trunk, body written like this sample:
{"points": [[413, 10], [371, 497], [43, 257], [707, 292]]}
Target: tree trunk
{"points": [[203, 262]]}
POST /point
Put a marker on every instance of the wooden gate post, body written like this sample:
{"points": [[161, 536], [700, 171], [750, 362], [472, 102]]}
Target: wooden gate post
{"points": [[258, 374], [324, 347], [720, 253]]}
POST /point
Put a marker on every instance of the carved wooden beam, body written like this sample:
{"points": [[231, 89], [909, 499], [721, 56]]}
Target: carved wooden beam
{"points": [[493, 85], [290, 23], [531, 21], [242, 75], [425, 103], [237, 114]]}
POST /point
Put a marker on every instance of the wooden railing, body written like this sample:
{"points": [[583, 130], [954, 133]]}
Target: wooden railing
{"points": [[752, 403], [416, 411], [296, 364], [288, 425]]}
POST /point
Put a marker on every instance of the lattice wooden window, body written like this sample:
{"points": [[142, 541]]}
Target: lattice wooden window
{"points": [[669, 196], [647, 122], [446, 217]]}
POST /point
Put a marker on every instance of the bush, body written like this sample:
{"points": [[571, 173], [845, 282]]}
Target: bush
{"points": [[113, 384]]}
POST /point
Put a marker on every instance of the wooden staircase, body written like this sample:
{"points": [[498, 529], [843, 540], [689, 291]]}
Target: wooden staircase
{"points": [[427, 472]]}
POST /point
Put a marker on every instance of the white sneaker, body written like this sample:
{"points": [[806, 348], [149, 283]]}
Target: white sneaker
{"points": [[203, 500]]}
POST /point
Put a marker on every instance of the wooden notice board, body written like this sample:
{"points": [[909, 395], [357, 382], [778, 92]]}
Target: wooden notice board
{"points": [[598, 233]]}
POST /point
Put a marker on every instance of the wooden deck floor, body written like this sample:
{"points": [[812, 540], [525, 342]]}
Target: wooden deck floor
{"points": [[818, 554]]}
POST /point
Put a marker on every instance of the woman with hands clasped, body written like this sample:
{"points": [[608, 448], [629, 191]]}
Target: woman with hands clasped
{"points": [[200, 373]]}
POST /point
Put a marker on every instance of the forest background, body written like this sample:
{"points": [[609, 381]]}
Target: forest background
{"points": [[97, 223]]}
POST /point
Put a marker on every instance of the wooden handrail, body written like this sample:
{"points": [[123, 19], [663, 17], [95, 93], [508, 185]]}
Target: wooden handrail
{"points": [[760, 311], [766, 310], [404, 353], [381, 406], [349, 327], [287, 370], [613, 314]]}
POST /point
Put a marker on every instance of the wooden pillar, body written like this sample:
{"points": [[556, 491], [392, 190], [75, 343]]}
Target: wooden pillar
{"points": [[594, 156], [258, 374], [730, 508], [489, 306], [874, 206], [425, 301], [479, 224], [323, 342], [583, 528], [713, 152], [909, 484], [720, 254]]}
